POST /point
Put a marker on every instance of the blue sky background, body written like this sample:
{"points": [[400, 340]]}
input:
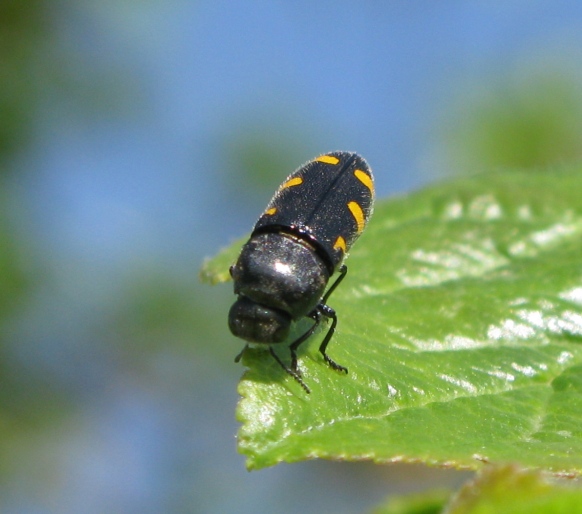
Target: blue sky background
{"points": [[143, 178], [367, 76]]}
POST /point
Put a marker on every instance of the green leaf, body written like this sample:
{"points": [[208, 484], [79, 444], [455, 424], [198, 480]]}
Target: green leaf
{"points": [[460, 321], [215, 270], [508, 490], [496, 490], [429, 502]]}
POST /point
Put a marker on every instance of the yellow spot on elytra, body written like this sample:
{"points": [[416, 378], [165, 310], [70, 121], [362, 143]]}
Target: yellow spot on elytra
{"points": [[365, 179], [328, 159], [271, 211], [358, 215], [340, 244], [295, 181]]}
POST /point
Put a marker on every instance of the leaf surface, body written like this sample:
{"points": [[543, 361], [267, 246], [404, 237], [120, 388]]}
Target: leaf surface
{"points": [[460, 321]]}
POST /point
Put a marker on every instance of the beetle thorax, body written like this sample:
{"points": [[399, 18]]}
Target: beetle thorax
{"points": [[282, 272]]}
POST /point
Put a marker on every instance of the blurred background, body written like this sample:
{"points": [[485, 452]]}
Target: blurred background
{"points": [[137, 138]]}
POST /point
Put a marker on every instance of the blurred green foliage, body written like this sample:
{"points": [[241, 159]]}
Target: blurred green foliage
{"points": [[511, 490], [495, 490], [13, 273], [534, 121], [156, 312], [428, 502], [264, 148], [26, 34]]}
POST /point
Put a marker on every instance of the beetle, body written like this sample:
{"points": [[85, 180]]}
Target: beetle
{"points": [[297, 244]]}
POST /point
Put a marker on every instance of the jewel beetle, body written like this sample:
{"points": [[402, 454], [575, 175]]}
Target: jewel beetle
{"points": [[297, 244]]}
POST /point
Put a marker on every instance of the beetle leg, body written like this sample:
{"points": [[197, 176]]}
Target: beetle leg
{"points": [[292, 372], [343, 269], [321, 310], [328, 312], [295, 344], [239, 356]]}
